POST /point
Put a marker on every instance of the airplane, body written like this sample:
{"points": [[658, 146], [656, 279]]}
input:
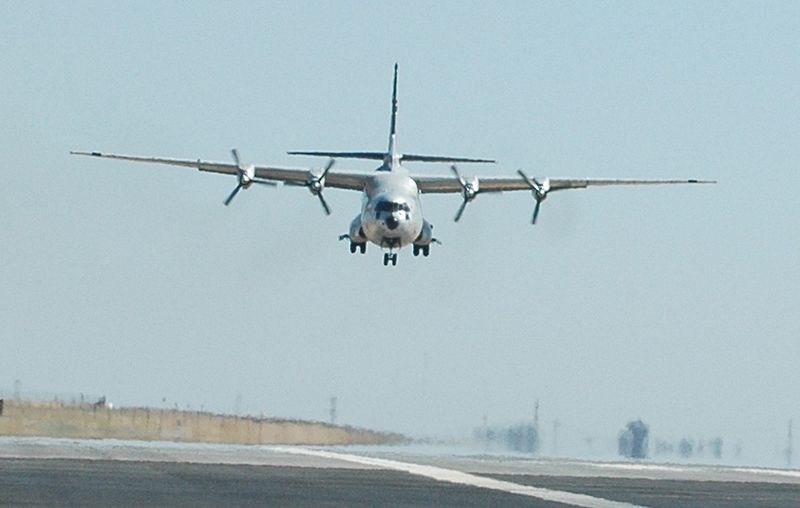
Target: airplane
{"points": [[391, 213]]}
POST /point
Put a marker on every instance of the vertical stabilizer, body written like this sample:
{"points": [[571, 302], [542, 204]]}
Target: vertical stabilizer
{"points": [[391, 158], [392, 155]]}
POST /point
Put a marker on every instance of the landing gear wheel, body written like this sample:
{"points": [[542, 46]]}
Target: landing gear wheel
{"points": [[424, 249], [358, 247], [390, 257]]}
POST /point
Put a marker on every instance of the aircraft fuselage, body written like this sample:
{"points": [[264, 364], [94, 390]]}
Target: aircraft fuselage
{"points": [[391, 213]]}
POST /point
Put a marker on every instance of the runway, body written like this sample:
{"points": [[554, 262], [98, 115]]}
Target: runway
{"points": [[54, 472]]}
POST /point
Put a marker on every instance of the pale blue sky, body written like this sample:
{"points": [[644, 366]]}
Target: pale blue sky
{"points": [[678, 305]]}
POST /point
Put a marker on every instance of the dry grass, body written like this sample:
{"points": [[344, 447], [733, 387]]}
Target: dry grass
{"points": [[57, 419]]}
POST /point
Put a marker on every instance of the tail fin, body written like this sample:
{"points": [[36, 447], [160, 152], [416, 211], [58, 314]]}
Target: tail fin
{"points": [[392, 150], [392, 158]]}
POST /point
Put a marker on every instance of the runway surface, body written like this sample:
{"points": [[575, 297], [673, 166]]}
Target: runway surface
{"points": [[54, 472]]}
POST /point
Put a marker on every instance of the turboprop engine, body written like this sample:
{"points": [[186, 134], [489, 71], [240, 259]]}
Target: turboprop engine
{"points": [[315, 181]]}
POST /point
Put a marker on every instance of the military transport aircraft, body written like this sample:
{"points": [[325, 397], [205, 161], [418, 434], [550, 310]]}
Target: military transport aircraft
{"points": [[391, 214]]}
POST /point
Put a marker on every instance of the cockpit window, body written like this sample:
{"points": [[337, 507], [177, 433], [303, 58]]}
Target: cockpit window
{"points": [[391, 206]]}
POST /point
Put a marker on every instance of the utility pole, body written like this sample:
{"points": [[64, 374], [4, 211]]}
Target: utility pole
{"points": [[789, 447], [537, 437], [334, 400]]}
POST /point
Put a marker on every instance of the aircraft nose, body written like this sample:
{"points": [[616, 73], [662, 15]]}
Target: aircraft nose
{"points": [[392, 222]]}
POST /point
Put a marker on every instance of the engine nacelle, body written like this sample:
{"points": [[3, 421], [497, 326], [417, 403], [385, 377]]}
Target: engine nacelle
{"points": [[426, 235], [471, 188], [315, 181]]}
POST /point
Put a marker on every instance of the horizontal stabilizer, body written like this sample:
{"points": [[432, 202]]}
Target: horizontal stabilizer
{"points": [[378, 156], [441, 158], [381, 156]]}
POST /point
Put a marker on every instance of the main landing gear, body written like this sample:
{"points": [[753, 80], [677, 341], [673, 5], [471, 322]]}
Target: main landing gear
{"points": [[355, 246], [362, 247], [425, 249], [390, 257]]}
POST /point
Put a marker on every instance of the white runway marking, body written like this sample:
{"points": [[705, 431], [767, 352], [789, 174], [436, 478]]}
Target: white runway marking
{"points": [[461, 478]]}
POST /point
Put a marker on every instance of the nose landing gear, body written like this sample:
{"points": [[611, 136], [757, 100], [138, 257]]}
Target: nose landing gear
{"points": [[390, 257]]}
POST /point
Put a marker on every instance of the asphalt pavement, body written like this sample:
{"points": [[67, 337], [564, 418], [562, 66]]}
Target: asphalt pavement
{"points": [[53, 472]]}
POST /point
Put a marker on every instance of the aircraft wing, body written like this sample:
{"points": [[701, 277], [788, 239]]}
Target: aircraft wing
{"points": [[444, 185], [352, 181]]}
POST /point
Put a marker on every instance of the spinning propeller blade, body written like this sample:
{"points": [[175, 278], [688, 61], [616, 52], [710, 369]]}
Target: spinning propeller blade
{"points": [[539, 191], [233, 194], [316, 184], [469, 190], [460, 210], [245, 175], [324, 204], [535, 212]]}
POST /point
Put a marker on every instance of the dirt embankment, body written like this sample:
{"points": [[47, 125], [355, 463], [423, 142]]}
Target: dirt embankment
{"points": [[57, 419]]}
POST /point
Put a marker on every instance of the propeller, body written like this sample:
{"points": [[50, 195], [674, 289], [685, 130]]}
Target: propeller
{"points": [[315, 181], [246, 176], [469, 190], [539, 190], [233, 194]]}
